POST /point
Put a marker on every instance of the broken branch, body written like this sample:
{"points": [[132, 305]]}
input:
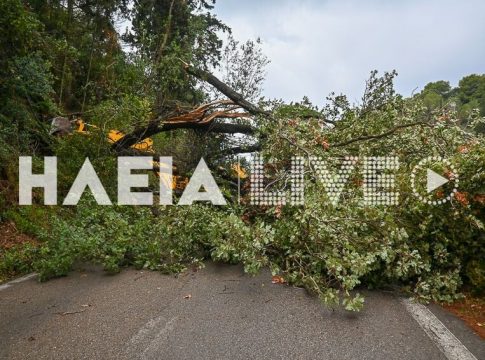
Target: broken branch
{"points": [[379, 136], [225, 89]]}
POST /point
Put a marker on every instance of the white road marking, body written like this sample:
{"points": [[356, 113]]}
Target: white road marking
{"points": [[148, 329], [16, 281], [451, 347], [147, 341], [23, 278], [153, 348]]}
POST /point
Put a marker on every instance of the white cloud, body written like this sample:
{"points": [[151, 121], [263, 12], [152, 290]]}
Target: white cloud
{"points": [[321, 46]]}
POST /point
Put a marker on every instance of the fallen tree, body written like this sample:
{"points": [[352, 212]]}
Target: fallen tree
{"points": [[328, 248], [204, 117]]}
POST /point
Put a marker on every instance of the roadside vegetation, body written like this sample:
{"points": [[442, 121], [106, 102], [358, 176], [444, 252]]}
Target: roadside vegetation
{"points": [[68, 58]]}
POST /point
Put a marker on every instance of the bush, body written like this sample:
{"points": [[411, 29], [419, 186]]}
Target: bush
{"points": [[122, 236], [17, 260]]}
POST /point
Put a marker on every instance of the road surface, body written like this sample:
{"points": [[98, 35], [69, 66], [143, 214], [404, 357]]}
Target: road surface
{"points": [[215, 313]]}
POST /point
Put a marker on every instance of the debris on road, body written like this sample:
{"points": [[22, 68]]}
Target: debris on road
{"points": [[70, 312], [277, 279]]}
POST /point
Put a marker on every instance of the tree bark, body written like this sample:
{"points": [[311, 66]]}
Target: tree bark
{"points": [[225, 89], [156, 127]]}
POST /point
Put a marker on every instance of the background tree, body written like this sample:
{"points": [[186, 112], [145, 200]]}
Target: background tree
{"points": [[165, 31]]}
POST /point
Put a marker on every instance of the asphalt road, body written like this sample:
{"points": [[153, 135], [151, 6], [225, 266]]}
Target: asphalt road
{"points": [[215, 313]]}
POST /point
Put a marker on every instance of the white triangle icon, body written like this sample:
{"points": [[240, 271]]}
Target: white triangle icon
{"points": [[434, 181]]}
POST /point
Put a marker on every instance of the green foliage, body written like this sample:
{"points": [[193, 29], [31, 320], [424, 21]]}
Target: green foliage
{"points": [[72, 152], [30, 220], [31, 80], [169, 241], [243, 68], [17, 260], [464, 99], [333, 249], [123, 114], [20, 30], [165, 32], [475, 272], [330, 250], [62, 59], [25, 83], [441, 88], [25, 96]]}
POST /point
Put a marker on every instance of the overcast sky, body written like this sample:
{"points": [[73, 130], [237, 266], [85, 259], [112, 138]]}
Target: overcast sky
{"points": [[319, 46]]}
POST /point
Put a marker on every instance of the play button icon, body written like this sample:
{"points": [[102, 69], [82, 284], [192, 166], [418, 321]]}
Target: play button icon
{"points": [[434, 180]]}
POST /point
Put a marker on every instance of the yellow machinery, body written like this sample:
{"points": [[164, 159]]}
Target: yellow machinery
{"points": [[146, 145], [239, 171], [61, 126]]}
